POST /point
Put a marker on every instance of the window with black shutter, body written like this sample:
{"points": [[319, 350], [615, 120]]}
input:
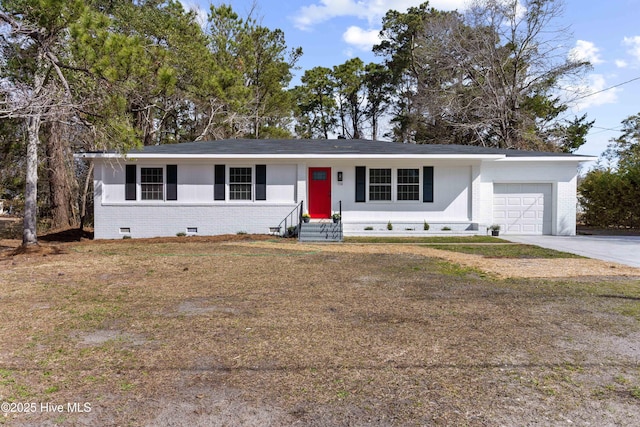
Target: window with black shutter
{"points": [[130, 182], [172, 182], [261, 182], [218, 188], [408, 184], [151, 184], [427, 185], [240, 183], [379, 184], [361, 184]]}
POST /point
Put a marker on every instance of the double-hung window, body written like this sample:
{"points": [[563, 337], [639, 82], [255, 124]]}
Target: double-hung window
{"points": [[379, 184], [408, 184], [240, 183], [391, 184], [151, 184], [155, 184], [243, 183]]}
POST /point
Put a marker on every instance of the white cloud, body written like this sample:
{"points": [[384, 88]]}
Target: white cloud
{"points": [[589, 93], [585, 51], [620, 63], [362, 39], [634, 44], [193, 6], [348, 52], [370, 10], [327, 9]]}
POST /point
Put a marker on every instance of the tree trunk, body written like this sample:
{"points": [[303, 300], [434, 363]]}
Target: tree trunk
{"points": [[29, 233], [374, 126], [87, 181], [60, 185]]}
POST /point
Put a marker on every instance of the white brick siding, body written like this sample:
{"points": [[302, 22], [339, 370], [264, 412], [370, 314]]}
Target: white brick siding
{"points": [[561, 176], [154, 220], [566, 203], [463, 196]]}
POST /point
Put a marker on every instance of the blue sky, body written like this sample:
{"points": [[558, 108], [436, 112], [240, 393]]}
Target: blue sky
{"points": [[607, 33]]}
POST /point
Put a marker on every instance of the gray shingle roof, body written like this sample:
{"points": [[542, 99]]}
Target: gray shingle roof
{"points": [[304, 147]]}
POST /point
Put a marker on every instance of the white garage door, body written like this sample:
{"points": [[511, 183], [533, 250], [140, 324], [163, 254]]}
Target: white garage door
{"points": [[522, 208]]}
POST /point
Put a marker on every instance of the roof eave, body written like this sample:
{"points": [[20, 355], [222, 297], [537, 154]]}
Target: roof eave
{"points": [[579, 159], [335, 156], [133, 156]]}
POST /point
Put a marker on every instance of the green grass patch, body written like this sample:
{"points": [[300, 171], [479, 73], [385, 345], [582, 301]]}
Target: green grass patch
{"points": [[126, 386], [430, 240], [453, 269], [52, 389], [507, 251], [98, 314], [631, 308], [6, 377]]}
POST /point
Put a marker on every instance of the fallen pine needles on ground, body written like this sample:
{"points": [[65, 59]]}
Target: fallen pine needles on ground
{"points": [[245, 332]]}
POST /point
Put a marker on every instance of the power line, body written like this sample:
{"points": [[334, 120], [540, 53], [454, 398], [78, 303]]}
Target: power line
{"points": [[601, 131], [606, 89], [619, 128]]}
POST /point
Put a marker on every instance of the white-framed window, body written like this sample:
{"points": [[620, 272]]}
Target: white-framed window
{"points": [[408, 187], [379, 184], [391, 184], [151, 183], [240, 183], [394, 184]]}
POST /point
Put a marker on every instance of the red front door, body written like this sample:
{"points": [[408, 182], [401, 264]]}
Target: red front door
{"points": [[320, 192]]}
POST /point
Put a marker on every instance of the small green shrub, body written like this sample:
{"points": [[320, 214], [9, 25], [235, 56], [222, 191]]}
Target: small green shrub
{"points": [[389, 226], [292, 231], [241, 233], [425, 227], [181, 234], [445, 228], [126, 236], [368, 228]]}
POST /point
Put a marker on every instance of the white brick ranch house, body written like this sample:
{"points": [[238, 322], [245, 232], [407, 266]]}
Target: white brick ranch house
{"points": [[231, 186]]}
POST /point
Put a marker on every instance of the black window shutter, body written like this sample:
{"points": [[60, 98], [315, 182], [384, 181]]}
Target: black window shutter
{"points": [[218, 188], [361, 184], [130, 182], [261, 182], [172, 182], [427, 184]]}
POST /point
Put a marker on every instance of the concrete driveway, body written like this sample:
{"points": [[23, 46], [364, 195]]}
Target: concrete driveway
{"points": [[621, 249]]}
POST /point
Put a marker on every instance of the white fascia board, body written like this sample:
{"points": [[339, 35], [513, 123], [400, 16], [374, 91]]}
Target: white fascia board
{"points": [[290, 156], [548, 159], [485, 157], [98, 156]]}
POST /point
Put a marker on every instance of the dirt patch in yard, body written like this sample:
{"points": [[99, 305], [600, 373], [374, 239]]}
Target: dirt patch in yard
{"points": [[501, 267], [101, 336], [54, 243], [182, 332]]}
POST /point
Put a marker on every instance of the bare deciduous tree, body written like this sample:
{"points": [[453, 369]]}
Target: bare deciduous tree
{"points": [[36, 91], [488, 77]]}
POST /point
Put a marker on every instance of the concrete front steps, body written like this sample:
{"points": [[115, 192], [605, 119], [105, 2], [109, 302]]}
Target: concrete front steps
{"points": [[324, 231]]}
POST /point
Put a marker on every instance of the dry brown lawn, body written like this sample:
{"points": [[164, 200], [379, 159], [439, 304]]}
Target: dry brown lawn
{"points": [[208, 331]]}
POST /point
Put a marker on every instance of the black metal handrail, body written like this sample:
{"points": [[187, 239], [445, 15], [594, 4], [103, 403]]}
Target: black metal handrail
{"points": [[341, 232], [290, 225]]}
